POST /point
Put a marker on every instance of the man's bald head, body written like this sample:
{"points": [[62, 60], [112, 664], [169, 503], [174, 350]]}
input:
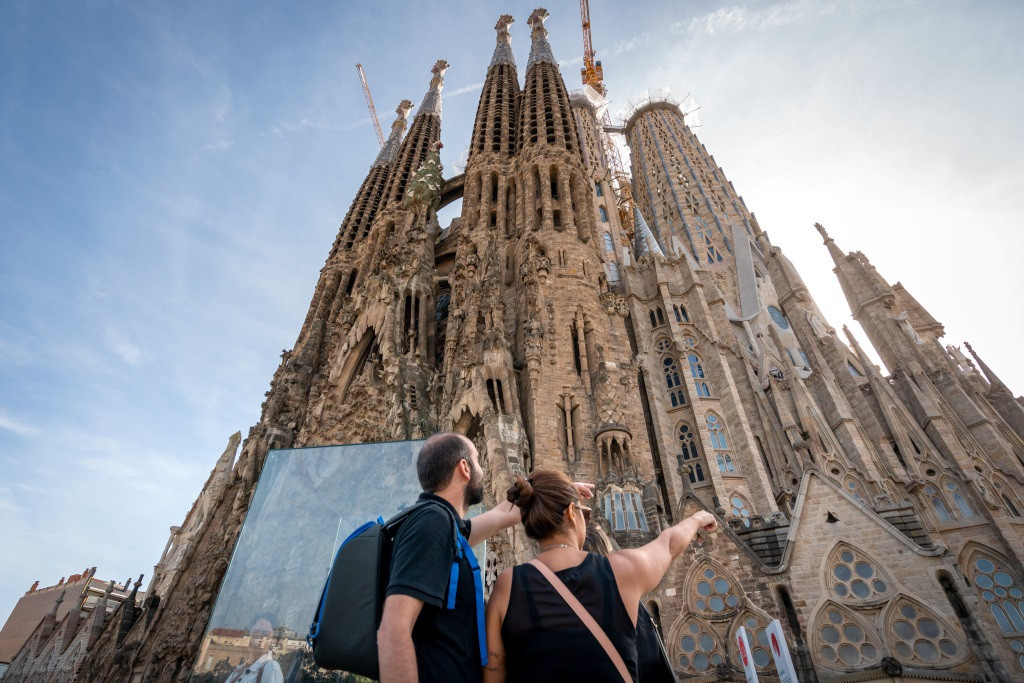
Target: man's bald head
{"points": [[439, 457]]}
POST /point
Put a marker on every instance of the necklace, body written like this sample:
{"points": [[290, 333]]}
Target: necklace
{"points": [[558, 545]]}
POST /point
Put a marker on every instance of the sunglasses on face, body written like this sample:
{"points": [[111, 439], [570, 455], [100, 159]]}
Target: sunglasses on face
{"points": [[585, 510]]}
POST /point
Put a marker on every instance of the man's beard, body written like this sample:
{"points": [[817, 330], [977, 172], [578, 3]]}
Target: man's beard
{"points": [[474, 489]]}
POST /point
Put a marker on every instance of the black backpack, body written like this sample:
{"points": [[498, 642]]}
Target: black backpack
{"points": [[343, 634]]}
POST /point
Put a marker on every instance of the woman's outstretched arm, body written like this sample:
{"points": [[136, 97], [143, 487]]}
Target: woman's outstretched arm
{"points": [[638, 571]]}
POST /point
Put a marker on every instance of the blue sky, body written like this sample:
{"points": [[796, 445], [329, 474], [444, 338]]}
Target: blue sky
{"points": [[172, 176]]}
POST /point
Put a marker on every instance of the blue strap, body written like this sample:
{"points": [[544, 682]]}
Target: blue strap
{"points": [[453, 582], [478, 583]]}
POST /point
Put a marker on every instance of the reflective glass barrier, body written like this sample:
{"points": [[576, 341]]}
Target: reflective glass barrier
{"points": [[307, 501]]}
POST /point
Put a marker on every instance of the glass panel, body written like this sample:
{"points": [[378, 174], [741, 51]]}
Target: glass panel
{"points": [[630, 513], [307, 502]]}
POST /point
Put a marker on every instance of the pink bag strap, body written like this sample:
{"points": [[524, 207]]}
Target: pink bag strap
{"points": [[584, 615]]}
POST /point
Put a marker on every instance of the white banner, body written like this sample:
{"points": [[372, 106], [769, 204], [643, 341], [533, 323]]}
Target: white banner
{"points": [[780, 652], [743, 645]]}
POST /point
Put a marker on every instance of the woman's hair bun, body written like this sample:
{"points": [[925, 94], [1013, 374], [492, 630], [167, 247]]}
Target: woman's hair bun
{"points": [[520, 493]]}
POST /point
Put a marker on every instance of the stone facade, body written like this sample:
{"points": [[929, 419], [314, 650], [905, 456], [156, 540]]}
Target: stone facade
{"points": [[682, 365]]}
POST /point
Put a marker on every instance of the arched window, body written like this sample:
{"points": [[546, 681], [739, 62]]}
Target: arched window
{"points": [[699, 650], [675, 392], [714, 591], [608, 242], [718, 441], [624, 510], [842, 641], [958, 499], [690, 461], [680, 312], [697, 372], [654, 320], [597, 188], [1010, 507], [854, 576], [1002, 592], [604, 214], [760, 645], [738, 508], [938, 505], [613, 272], [661, 316], [919, 637], [855, 489]]}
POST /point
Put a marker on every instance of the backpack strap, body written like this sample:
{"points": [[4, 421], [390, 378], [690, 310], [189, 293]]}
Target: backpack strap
{"points": [[585, 617]]}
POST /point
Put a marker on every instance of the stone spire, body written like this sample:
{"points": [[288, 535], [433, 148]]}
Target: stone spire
{"points": [[644, 241], [425, 131], [540, 50], [503, 49], [861, 283], [425, 185], [432, 100], [129, 611], [99, 619], [389, 151]]}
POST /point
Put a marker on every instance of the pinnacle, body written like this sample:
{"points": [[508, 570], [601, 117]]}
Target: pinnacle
{"points": [[540, 51], [503, 48]]}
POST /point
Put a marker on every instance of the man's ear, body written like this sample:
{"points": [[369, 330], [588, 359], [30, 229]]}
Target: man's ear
{"points": [[466, 469]]}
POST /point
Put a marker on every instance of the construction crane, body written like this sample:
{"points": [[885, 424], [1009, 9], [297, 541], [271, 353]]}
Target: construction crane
{"points": [[369, 104], [593, 75]]}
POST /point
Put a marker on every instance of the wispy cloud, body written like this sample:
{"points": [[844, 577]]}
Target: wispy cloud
{"points": [[124, 349], [463, 90], [218, 145], [303, 124], [15, 426], [736, 19]]}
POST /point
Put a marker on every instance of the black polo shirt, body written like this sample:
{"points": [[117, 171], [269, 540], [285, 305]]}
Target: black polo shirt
{"points": [[446, 641]]}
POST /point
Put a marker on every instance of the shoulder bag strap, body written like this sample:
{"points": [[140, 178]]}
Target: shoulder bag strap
{"points": [[585, 617]]}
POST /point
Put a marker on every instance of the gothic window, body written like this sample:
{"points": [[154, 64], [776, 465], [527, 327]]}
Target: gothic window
{"points": [[757, 634], [958, 499], [918, 636], [699, 649], [700, 384], [778, 317], [672, 380], [739, 509], [713, 591], [938, 505], [681, 316], [1002, 591], [624, 510], [855, 489], [608, 242], [613, 273], [718, 441], [661, 316], [654, 319], [604, 214], [854, 576], [842, 641], [690, 459]]}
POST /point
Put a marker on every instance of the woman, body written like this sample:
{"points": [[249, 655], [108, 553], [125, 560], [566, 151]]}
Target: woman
{"points": [[532, 633]]}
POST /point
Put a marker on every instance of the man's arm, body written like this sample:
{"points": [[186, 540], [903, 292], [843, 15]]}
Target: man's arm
{"points": [[396, 653], [505, 514]]}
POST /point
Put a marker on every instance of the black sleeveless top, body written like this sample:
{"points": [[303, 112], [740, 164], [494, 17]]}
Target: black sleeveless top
{"points": [[545, 640]]}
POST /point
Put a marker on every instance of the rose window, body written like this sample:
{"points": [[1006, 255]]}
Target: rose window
{"points": [[698, 649], [714, 592], [918, 637]]}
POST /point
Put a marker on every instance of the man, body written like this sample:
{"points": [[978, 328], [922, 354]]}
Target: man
{"points": [[264, 669], [418, 639]]}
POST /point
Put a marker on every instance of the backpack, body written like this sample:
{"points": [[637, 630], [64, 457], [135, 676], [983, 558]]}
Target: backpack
{"points": [[343, 634]]}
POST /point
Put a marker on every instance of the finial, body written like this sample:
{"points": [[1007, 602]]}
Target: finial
{"points": [[540, 51], [536, 21], [503, 49], [432, 100], [389, 152], [821, 231]]}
